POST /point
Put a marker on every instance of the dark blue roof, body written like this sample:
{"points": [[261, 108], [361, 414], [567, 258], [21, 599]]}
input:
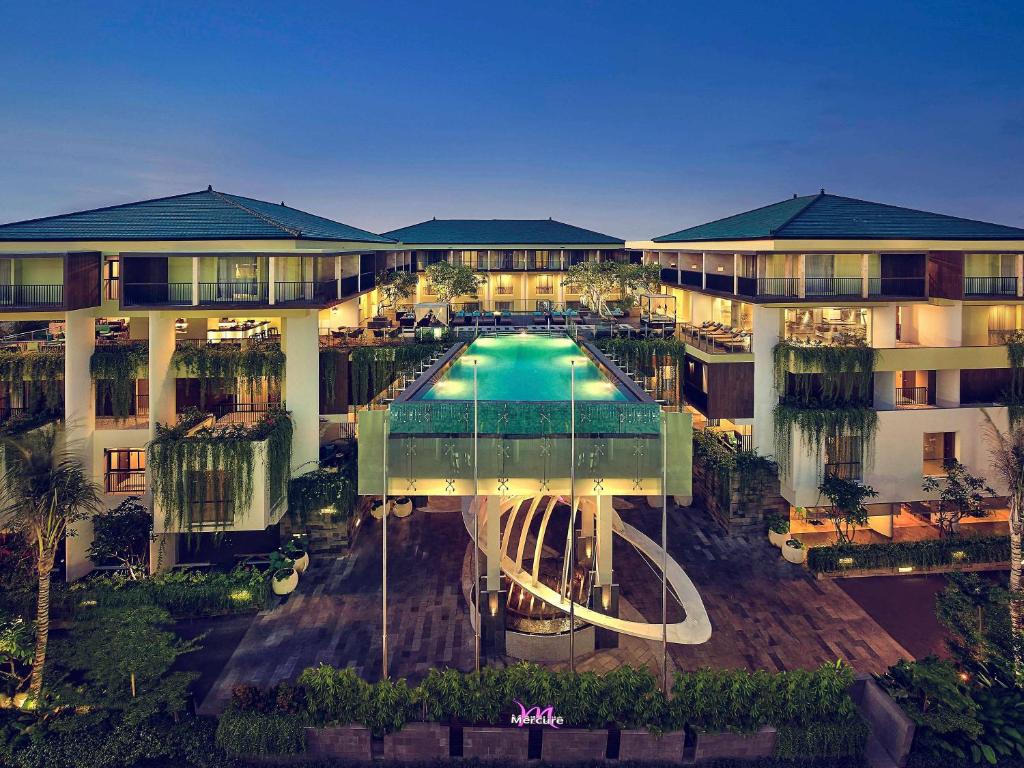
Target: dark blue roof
{"points": [[206, 215], [499, 232], [824, 216]]}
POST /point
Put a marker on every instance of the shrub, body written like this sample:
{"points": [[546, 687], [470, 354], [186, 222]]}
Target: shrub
{"points": [[388, 707], [334, 695], [258, 733], [921, 554], [835, 738]]}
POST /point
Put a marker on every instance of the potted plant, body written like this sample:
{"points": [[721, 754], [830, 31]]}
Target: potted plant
{"points": [[778, 531], [297, 555], [283, 576], [377, 509], [403, 506], [794, 551]]}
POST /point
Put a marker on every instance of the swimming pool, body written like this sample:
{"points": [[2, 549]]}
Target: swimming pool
{"points": [[524, 367]]}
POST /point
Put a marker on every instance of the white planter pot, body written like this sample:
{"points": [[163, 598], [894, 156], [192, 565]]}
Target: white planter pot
{"points": [[654, 500], [301, 563], [794, 555], [286, 585], [377, 511], [778, 539], [403, 508]]}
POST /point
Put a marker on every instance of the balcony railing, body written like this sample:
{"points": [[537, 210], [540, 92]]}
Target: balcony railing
{"points": [[242, 413], [907, 397], [990, 286], [305, 292], [717, 282], [670, 275], [845, 470], [350, 285], [504, 290], [691, 278], [778, 286], [111, 289], [157, 294], [833, 286], [126, 481], [912, 287], [545, 290], [234, 292], [31, 296]]}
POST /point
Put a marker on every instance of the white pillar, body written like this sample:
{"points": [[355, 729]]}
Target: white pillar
{"points": [[492, 542], [603, 539], [195, 281], [271, 279], [766, 325], [162, 407], [301, 346], [80, 422]]}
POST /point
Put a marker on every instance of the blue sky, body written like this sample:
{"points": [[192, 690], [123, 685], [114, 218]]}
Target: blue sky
{"points": [[635, 119]]}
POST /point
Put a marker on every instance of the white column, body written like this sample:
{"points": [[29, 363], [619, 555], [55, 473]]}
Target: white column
{"points": [[704, 271], [80, 422], [603, 539], [801, 275], [766, 324], [301, 346], [492, 542], [271, 279], [865, 286], [195, 281], [883, 327], [1019, 272], [162, 407], [736, 273]]}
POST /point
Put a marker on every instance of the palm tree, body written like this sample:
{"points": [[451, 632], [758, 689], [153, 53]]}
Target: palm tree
{"points": [[1007, 450], [44, 490]]}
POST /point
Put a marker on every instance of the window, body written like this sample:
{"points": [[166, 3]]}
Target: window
{"points": [[211, 500], [504, 286], [544, 286], [125, 471], [111, 277], [843, 457], [939, 447]]}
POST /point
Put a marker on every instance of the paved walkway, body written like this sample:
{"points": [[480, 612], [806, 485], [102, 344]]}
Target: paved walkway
{"points": [[765, 613]]}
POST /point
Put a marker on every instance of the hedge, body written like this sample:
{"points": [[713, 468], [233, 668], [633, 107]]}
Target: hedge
{"points": [[811, 708], [920, 554], [184, 594]]}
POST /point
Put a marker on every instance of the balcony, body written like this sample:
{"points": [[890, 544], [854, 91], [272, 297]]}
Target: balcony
{"points": [[157, 295], [902, 287], [504, 290], [833, 286], [912, 397], [14, 297], [321, 292], [778, 286], [990, 286], [719, 282], [670, 275], [125, 481], [691, 278], [235, 292]]}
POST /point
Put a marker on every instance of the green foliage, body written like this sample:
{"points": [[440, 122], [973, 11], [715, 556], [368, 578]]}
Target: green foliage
{"points": [[329, 359], [258, 733], [180, 457], [325, 488], [976, 614], [846, 508], [1014, 395], [778, 525], [376, 367], [961, 495], [825, 392], [184, 594], [44, 368], [749, 466], [393, 287], [252, 362], [594, 282], [450, 281], [335, 695], [17, 642], [122, 534], [120, 660], [388, 706], [827, 739], [115, 368], [920, 554]]}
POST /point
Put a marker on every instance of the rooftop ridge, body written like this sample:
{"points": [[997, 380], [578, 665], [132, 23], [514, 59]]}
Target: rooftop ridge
{"points": [[262, 217], [811, 200], [104, 208]]}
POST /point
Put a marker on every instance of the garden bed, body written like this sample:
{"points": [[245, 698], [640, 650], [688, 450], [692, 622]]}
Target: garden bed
{"points": [[955, 553]]}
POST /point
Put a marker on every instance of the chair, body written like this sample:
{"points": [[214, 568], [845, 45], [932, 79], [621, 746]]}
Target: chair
{"points": [[378, 333]]}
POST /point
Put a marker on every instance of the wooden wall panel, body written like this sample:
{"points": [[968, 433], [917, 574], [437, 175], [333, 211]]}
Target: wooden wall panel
{"points": [[730, 388], [983, 385], [945, 274], [82, 278]]}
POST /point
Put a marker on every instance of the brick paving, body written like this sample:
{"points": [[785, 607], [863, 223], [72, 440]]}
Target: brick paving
{"points": [[765, 613]]}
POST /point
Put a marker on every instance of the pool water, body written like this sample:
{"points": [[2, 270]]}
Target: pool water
{"points": [[523, 367]]}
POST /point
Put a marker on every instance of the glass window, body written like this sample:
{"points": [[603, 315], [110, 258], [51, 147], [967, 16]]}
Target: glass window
{"points": [[939, 447], [125, 471], [843, 457]]}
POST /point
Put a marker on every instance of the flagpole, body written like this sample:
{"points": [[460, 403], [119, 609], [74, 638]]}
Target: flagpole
{"points": [[384, 560], [476, 515], [572, 514]]}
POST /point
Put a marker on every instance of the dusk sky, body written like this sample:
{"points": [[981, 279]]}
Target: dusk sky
{"points": [[635, 119]]}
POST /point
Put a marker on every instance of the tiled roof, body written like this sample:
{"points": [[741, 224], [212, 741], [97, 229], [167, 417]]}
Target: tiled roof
{"points": [[825, 216], [205, 215], [499, 232]]}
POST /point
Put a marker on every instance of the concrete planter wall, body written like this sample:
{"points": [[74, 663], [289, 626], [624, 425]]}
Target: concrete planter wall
{"points": [[891, 728], [418, 741], [506, 744], [349, 742], [742, 746], [571, 745], [644, 745]]}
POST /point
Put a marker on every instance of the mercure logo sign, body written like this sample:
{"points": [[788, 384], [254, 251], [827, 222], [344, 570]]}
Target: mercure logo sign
{"points": [[536, 716]]}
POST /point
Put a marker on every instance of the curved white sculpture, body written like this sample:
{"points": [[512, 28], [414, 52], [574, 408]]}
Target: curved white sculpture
{"points": [[695, 629]]}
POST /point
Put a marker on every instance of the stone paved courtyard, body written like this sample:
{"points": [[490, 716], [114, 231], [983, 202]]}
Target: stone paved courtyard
{"points": [[765, 613]]}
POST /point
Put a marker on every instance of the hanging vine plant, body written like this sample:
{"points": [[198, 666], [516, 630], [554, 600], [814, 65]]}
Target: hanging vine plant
{"points": [[329, 359], [115, 368], [181, 457], [45, 369], [651, 358], [252, 362], [1014, 396], [374, 368], [826, 392]]}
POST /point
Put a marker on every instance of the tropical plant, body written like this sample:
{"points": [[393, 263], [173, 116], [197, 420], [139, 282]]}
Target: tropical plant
{"points": [[281, 566], [452, 280], [42, 370], [1007, 452], [253, 361], [633, 279], [393, 287], [123, 534], [376, 367], [594, 281], [115, 368], [933, 553], [16, 644], [324, 488], [778, 525], [961, 495], [44, 491], [846, 508]]}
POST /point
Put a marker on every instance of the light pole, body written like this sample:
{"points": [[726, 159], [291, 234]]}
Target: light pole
{"points": [[384, 560], [572, 513], [664, 555], [476, 515]]}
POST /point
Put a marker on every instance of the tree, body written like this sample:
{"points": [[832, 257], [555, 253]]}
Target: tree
{"points": [[594, 282], [1007, 451], [394, 286], [43, 492], [847, 508], [16, 643], [962, 495], [123, 534], [452, 280], [633, 279]]}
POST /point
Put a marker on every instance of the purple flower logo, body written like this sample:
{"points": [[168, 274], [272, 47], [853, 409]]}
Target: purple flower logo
{"points": [[536, 716]]}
